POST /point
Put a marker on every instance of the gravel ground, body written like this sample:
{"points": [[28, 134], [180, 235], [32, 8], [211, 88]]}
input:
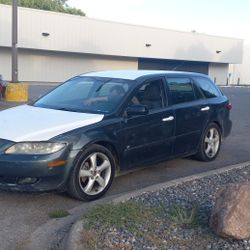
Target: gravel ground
{"points": [[175, 237]]}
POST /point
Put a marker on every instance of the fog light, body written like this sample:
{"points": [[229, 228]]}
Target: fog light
{"points": [[27, 180]]}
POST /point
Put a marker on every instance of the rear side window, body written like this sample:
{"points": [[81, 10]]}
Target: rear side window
{"points": [[181, 90], [207, 87]]}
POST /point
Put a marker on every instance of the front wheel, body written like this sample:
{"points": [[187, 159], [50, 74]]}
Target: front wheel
{"points": [[93, 174], [210, 143]]}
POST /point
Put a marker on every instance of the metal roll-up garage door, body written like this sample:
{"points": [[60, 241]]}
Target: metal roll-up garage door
{"points": [[178, 65]]}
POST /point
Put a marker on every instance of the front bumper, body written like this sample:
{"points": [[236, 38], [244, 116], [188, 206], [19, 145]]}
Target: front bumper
{"points": [[15, 169]]}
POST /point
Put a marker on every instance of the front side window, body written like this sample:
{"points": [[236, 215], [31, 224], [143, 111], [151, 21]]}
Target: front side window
{"points": [[207, 87], [87, 94], [149, 94], [180, 89]]}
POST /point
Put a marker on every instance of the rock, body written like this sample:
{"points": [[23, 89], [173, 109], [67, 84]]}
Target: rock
{"points": [[230, 216]]}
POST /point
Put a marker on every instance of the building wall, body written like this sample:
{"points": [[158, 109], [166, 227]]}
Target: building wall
{"points": [[5, 63], [47, 66], [240, 73], [218, 72], [79, 44], [85, 35], [42, 66]]}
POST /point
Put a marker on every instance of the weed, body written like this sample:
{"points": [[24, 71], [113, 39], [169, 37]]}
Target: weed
{"points": [[185, 217], [123, 215], [58, 213]]}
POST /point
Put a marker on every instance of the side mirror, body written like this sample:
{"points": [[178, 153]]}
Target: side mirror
{"points": [[137, 109]]}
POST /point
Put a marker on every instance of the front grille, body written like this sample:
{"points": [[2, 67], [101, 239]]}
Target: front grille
{"points": [[18, 180]]}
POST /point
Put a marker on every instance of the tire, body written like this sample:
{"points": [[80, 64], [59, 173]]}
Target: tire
{"points": [[93, 174], [210, 143]]}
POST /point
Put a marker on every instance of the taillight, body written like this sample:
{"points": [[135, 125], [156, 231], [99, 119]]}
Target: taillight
{"points": [[229, 106]]}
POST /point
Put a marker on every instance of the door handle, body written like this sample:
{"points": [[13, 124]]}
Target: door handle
{"points": [[205, 108], [168, 119]]}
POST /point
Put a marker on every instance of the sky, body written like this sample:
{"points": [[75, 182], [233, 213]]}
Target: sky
{"points": [[216, 17]]}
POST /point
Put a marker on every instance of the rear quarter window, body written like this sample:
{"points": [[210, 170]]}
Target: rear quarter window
{"points": [[207, 87]]}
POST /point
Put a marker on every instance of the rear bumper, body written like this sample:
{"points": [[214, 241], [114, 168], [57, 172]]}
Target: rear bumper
{"points": [[227, 128], [35, 172]]}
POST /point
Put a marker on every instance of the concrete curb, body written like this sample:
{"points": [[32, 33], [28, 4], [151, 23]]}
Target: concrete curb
{"points": [[17, 92], [74, 236], [52, 232], [179, 181], [49, 234]]}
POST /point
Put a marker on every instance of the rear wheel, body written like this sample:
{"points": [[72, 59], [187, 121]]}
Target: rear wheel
{"points": [[210, 143], [93, 174]]}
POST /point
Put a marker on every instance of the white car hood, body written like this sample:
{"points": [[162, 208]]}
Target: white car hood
{"points": [[28, 123]]}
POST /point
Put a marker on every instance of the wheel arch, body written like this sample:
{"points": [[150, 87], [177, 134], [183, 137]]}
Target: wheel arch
{"points": [[101, 142], [219, 126], [111, 147]]}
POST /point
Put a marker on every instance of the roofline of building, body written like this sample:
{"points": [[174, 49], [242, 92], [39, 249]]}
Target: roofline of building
{"points": [[121, 23]]}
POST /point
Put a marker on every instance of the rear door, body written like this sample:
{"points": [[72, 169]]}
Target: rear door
{"points": [[191, 111], [217, 102]]}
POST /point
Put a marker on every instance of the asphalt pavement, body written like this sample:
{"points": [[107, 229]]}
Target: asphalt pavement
{"points": [[22, 213]]}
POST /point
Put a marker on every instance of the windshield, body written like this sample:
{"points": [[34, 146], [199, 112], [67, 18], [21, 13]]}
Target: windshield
{"points": [[86, 94]]}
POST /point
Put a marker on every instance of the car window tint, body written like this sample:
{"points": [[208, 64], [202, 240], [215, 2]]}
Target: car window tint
{"points": [[197, 91], [86, 94], [81, 89], [181, 90], [107, 88], [207, 87], [150, 94]]}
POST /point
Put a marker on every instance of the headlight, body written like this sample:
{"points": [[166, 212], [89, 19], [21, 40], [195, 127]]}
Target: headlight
{"points": [[35, 148]]}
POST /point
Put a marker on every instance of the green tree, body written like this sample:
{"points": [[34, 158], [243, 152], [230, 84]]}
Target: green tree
{"points": [[51, 5]]}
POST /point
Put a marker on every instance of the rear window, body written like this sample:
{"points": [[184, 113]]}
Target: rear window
{"points": [[181, 90], [207, 87]]}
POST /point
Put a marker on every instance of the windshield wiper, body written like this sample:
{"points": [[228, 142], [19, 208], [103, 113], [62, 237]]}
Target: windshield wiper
{"points": [[66, 109]]}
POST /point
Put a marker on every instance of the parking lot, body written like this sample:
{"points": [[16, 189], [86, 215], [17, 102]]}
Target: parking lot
{"points": [[21, 213]]}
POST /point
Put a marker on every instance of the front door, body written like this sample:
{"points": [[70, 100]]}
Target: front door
{"points": [[147, 138]]}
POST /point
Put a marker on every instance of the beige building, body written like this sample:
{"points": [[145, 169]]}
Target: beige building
{"points": [[55, 46], [240, 73]]}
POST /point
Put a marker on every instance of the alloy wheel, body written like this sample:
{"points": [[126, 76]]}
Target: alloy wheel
{"points": [[95, 173], [212, 142]]}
